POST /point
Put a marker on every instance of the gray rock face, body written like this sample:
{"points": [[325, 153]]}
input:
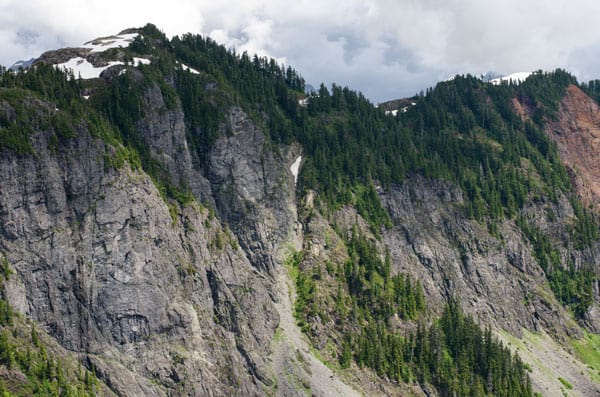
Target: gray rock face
{"points": [[246, 180], [497, 279], [252, 190], [157, 304], [164, 133]]}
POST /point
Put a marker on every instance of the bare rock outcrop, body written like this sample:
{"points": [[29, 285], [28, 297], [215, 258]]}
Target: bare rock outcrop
{"points": [[576, 131]]}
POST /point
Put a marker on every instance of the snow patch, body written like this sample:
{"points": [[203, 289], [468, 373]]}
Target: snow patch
{"points": [[106, 43], [189, 69], [403, 109], [515, 78], [295, 168], [83, 69], [141, 61], [303, 102], [86, 97]]}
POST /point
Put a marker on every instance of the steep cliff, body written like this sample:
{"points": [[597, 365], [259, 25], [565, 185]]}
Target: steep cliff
{"points": [[153, 300], [157, 296]]}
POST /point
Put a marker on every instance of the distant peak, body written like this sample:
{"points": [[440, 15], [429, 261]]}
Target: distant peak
{"points": [[102, 44], [129, 31], [496, 78], [90, 59], [516, 78], [21, 64]]}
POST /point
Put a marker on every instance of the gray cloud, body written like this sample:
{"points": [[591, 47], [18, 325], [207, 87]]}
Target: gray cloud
{"points": [[352, 43], [26, 37], [385, 48]]}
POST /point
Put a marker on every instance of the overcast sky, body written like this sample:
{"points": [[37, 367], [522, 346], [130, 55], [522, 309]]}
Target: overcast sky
{"points": [[385, 48]]}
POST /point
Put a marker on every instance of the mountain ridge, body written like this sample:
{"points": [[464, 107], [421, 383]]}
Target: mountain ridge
{"points": [[151, 217]]}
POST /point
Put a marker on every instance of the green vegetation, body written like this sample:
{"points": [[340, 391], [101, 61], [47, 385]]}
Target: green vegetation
{"points": [[375, 293], [304, 305], [571, 286], [6, 313], [565, 383], [46, 99], [464, 131], [476, 140], [121, 103], [453, 354], [586, 229], [43, 99], [444, 354], [44, 373], [592, 88], [588, 351]]}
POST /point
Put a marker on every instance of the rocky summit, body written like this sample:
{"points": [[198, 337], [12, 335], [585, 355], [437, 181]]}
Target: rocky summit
{"points": [[177, 219]]}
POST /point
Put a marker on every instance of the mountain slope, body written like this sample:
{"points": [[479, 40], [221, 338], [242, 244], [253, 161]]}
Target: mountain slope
{"points": [[576, 133], [148, 214]]}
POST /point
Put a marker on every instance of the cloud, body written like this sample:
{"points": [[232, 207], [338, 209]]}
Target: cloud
{"points": [[385, 48]]}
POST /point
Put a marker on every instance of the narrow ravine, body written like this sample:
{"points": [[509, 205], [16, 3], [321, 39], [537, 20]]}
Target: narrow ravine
{"points": [[293, 360]]}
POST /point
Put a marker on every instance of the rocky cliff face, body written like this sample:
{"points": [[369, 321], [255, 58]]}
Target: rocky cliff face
{"points": [[157, 299], [453, 256], [254, 190], [496, 277]]}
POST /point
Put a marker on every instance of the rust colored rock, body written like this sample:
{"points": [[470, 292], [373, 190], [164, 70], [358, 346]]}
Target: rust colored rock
{"points": [[576, 131]]}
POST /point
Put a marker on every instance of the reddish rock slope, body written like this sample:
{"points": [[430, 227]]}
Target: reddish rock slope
{"points": [[577, 133]]}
